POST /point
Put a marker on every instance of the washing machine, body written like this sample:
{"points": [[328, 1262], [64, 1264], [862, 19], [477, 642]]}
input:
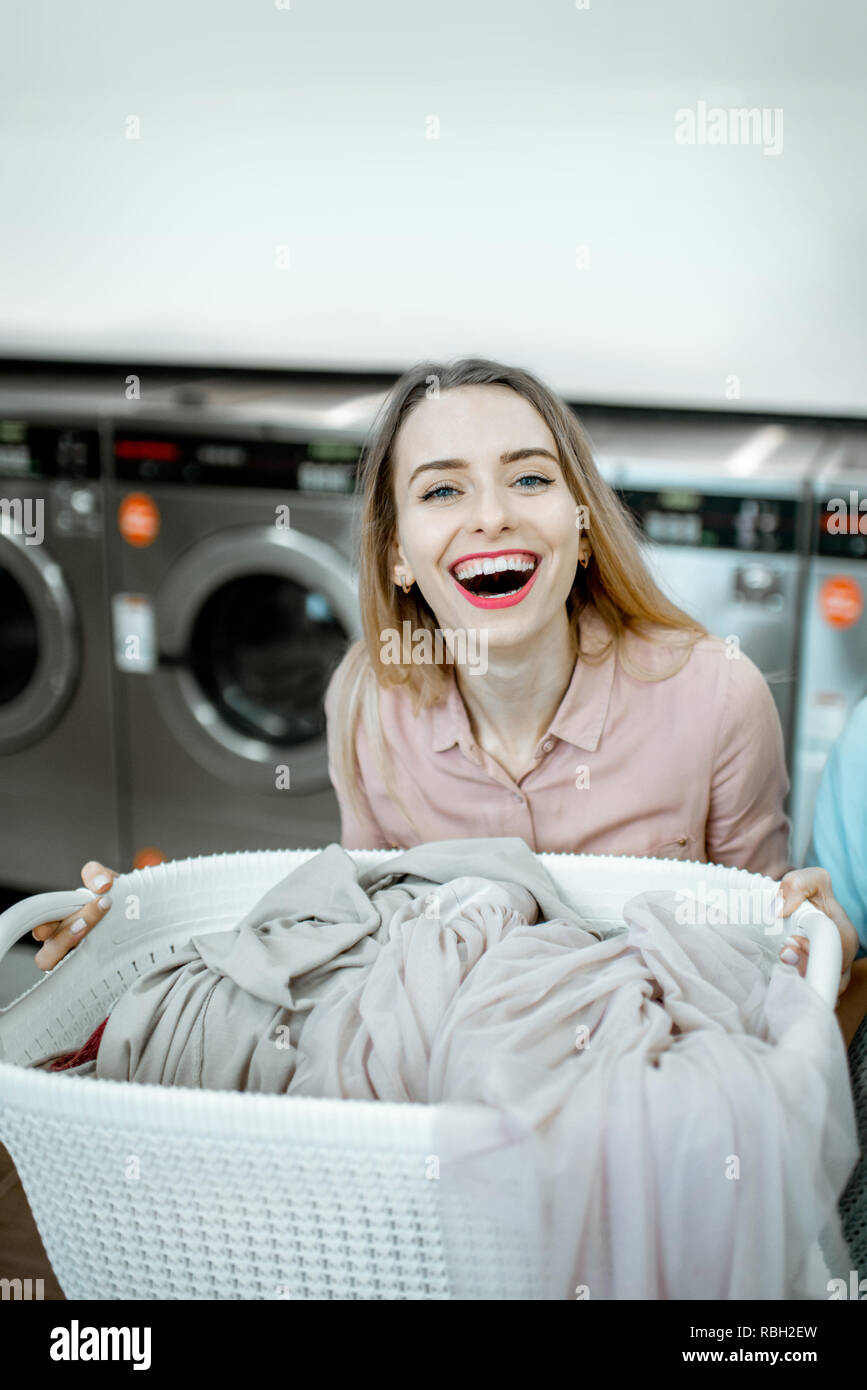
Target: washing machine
{"points": [[233, 597], [833, 674], [724, 508], [58, 789]]}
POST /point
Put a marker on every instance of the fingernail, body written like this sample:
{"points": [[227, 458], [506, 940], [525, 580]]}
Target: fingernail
{"points": [[104, 902], [78, 925], [101, 881], [789, 956]]}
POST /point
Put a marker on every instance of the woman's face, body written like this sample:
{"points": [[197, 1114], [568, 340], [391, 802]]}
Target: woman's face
{"points": [[477, 475]]}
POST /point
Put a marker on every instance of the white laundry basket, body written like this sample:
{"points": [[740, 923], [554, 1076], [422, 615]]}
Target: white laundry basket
{"points": [[153, 1192]]}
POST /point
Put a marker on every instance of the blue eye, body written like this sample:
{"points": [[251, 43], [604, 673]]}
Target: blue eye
{"points": [[437, 491], [444, 488]]}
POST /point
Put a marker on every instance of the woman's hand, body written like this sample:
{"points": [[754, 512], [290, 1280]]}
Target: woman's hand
{"points": [[60, 937], [815, 884]]}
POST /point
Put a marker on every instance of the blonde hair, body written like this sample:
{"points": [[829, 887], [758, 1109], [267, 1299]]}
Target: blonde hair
{"points": [[616, 580]]}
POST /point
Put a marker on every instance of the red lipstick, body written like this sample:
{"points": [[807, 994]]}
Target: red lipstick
{"points": [[502, 600]]}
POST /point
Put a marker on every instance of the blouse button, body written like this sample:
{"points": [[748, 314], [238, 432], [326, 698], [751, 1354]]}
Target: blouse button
{"points": [[682, 840], [548, 745], [518, 798]]}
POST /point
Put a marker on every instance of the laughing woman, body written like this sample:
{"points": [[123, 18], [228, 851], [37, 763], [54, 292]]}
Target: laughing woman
{"points": [[583, 710], [595, 715]]}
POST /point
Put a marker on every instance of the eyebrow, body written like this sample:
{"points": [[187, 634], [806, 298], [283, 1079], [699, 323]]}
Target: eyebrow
{"points": [[512, 456]]}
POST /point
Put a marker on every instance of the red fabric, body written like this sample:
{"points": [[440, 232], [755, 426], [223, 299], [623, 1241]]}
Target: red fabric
{"points": [[85, 1053]]}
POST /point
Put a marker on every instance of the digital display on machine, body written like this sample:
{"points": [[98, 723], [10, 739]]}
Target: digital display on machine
{"points": [[322, 465], [680, 500], [47, 451], [721, 521], [841, 529], [333, 451]]}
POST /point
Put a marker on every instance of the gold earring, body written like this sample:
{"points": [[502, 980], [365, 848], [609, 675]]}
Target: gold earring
{"points": [[586, 561], [403, 584]]}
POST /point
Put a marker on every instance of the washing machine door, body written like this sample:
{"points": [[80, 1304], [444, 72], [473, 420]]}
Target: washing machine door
{"points": [[40, 652], [250, 624]]}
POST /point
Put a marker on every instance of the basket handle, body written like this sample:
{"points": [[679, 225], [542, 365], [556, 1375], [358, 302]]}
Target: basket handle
{"points": [[825, 961], [23, 916], [824, 964]]}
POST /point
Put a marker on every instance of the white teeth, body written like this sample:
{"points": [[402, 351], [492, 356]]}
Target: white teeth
{"points": [[470, 568]]}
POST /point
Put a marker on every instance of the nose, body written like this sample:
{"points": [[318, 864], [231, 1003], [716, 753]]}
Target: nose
{"points": [[490, 509]]}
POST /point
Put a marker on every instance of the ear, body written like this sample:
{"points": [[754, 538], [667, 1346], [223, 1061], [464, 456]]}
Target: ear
{"points": [[396, 558]]}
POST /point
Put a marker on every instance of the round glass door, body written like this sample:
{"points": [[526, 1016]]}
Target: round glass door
{"points": [[262, 649], [19, 639], [251, 622], [40, 656]]}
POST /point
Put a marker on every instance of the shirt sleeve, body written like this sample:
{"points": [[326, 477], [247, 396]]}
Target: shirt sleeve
{"points": [[356, 831], [839, 842], [747, 827]]}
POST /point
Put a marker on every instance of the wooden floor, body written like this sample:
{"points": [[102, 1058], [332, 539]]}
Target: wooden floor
{"points": [[22, 1254], [852, 1005]]}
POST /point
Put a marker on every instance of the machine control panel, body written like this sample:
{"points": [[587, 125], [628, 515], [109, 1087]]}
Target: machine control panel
{"points": [[841, 524], [312, 466], [29, 450], [721, 521]]}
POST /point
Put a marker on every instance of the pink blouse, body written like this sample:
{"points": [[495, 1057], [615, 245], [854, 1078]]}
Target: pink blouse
{"points": [[689, 767]]}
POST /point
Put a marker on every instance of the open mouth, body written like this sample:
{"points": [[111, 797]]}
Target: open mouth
{"points": [[496, 577]]}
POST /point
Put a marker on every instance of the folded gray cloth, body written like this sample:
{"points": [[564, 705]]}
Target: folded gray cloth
{"points": [[228, 1010]]}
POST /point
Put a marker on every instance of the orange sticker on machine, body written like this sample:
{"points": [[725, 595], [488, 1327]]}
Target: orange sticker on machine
{"points": [[841, 601], [148, 856], [138, 519]]}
